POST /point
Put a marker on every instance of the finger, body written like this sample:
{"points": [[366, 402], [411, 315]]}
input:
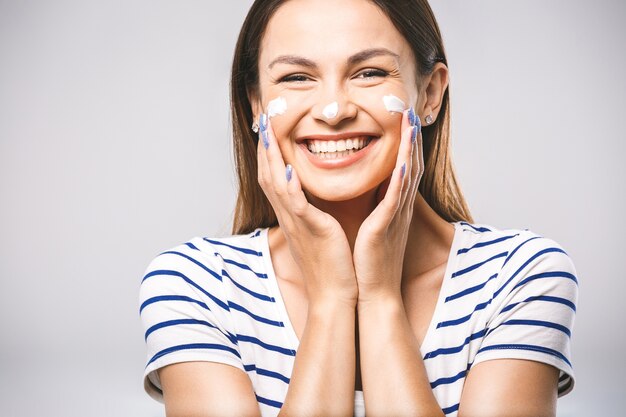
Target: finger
{"points": [[420, 153], [275, 162], [385, 211], [417, 162], [405, 152], [300, 206], [395, 195], [264, 175]]}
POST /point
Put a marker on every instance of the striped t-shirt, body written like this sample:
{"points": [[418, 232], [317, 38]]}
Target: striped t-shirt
{"points": [[505, 294]]}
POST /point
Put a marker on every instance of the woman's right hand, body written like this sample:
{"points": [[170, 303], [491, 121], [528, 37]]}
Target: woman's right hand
{"points": [[316, 240]]}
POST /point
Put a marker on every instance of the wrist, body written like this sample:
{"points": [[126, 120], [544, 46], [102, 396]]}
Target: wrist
{"points": [[379, 298], [381, 304], [331, 306]]}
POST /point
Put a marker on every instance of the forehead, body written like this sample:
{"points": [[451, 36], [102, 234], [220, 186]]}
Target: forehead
{"points": [[330, 29]]}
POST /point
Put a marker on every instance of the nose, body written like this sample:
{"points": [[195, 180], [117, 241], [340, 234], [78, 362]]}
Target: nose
{"points": [[334, 106]]}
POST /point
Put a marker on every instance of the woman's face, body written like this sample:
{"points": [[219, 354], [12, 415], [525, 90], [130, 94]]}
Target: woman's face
{"points": [[332, 63]]}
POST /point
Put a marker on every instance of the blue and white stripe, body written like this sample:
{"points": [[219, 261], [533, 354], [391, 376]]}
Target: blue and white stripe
{"points": [[505, 294]]}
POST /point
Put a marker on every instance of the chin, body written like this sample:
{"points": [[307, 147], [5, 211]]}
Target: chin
{"points": [[339, 193]]}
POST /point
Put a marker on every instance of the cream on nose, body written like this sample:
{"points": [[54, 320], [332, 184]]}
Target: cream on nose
{"points": [[331, 110]]}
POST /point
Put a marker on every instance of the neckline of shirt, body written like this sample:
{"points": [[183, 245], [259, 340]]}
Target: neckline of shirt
{"points": [[293, 340]]}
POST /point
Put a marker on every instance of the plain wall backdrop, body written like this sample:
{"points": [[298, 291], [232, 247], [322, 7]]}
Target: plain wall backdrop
{"points": [[115, 146]]}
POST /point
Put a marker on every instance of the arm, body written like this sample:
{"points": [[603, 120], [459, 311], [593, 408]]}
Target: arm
{"points": [[202, 389], [394, 374], [394, 377], [523, 388], [322, 382]]}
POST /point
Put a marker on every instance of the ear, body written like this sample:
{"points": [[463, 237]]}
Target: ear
{"points": [[434, 86]]}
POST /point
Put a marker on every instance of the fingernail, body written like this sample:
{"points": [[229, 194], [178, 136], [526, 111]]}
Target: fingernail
{"points": [[411, 116], [418, 123], [288, 172], [414, 134], [266, 140], [403, 170], [263, 122]]}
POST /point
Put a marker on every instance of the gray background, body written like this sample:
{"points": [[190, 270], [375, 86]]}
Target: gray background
{"points": [[114, 146]]}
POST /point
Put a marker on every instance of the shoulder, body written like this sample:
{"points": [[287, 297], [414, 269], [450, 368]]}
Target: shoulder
{"points": [[534, 257], [519, 250], [198, 266], [516, 267], [206, 253]]}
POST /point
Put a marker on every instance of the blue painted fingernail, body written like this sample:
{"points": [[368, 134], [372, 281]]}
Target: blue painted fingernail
{"points": [[266, 140], [414, 134], [418, 123], [411, 116], [263, 122], [288, 172], [403, 170]]}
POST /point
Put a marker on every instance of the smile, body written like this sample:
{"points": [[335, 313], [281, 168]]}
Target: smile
{"points": [[338, 150], [333, 149]]}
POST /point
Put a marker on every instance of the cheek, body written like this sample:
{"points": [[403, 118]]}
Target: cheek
{"points": [[285, 110], [381, 102]]}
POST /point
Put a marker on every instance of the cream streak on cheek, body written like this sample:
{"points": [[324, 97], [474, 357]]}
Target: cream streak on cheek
{"points": [[276, 107], [393, 104]]}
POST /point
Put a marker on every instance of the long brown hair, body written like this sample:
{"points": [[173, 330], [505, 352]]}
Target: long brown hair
{"points": [[416, 22]]}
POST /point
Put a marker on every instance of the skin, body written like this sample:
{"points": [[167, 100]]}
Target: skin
{"points": [[358, 254]]}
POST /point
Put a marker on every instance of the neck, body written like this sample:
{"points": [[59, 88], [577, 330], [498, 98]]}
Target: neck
{"points": [[429, 239], [428, 244]]}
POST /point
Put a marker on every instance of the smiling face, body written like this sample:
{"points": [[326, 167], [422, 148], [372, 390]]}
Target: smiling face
{"points": [[333, 67]]}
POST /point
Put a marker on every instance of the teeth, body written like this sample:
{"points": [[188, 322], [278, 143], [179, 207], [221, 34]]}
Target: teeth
{"points": [[330, 149]]}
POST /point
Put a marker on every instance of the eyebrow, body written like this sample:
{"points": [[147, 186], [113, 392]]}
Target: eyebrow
{"points": [[352, 60]]}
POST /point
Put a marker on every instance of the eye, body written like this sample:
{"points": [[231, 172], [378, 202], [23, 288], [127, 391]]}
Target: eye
{"points": [[294, 78], [372, 73]]}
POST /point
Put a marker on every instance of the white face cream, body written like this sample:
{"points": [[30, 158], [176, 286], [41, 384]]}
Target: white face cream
{"points": [[393, 104], [330, 111], [276, 107]]}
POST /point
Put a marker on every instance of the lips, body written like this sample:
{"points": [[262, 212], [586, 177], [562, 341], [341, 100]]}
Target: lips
{"points": [[337, 150]]}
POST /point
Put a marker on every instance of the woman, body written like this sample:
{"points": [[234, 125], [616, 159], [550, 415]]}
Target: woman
{"points": [[355, 277]]}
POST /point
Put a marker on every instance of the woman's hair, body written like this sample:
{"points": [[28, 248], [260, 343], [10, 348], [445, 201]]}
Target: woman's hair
{"points": [[414, 19]]}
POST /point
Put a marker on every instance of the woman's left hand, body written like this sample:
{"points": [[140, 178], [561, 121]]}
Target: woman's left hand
{"points": [[381, 241]]}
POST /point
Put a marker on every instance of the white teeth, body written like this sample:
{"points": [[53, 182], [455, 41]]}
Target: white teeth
{"points": [[330, 149]]}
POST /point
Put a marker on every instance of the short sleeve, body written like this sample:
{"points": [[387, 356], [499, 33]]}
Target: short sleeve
{"points": [[184, 314], [534, 308]]}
